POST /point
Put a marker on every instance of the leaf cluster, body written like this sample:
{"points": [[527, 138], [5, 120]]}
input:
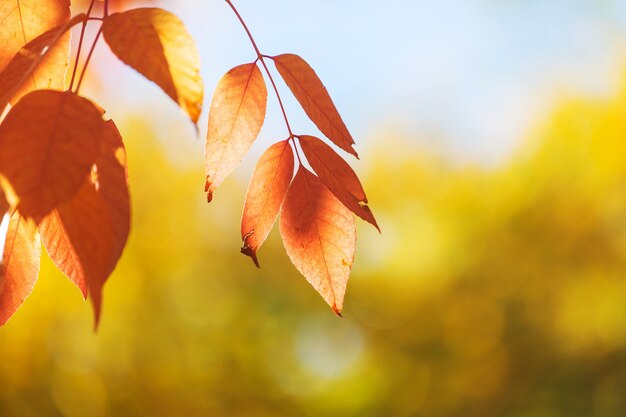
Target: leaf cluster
{"points": [[63, 173]]}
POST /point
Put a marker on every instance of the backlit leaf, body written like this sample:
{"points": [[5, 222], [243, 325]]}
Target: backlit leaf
{"points": [[24, 20], [48, 143], [235, 120], [16, 77], [314, 99], [319, 235], [20, 265], [85, 236], [337, 175], [157, 44], [266, 193], [4, 204]]}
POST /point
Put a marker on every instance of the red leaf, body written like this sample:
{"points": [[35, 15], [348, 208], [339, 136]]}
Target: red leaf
{"points": [[319, 235], [235, 120], [85, 236], [337, 175], [157, 44], [266, 193], [39, 56], [48, 143], [24, 20], [314, 99], [20, 265]]}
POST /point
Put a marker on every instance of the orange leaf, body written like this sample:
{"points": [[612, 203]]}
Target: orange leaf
{"points": [[235, 120], [24, 20], [20, 265], [4, 205], [34, 57], [314, 99], [266, 193], [85, 236], [48, 143], [157, 44], [319, 235], [337, 175]]}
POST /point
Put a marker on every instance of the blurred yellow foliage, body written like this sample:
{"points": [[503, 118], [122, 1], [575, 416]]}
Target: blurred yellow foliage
{"points": [[491, 292]]}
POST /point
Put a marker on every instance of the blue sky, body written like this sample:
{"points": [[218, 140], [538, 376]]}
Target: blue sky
{"points": [[466, 76]]}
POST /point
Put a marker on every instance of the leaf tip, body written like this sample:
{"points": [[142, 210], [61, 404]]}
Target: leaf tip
{"points": [[207, 189], [336, 310], [374, 223], [368, 216], [96, 301], [247, 250]]}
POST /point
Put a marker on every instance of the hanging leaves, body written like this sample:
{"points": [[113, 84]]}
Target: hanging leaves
{"points": [[48, 143], [24, 20], [314, 99], [337, 175], [320, 237], [20, 265], [63, 168], [266, 193], [85, 235], [235, 120], [157, 44], [16, 77]]}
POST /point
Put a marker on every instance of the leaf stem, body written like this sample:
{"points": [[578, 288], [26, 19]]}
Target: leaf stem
{"points": [[93, 47], [261, 57], [80, 42]]}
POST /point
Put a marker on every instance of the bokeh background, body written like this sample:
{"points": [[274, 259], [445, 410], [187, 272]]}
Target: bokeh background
{"points": [[492, 137]]}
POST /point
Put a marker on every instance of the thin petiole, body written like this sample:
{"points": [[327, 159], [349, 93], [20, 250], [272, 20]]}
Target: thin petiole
{"points": [[93, 47], [80, 42], [260, 57]]}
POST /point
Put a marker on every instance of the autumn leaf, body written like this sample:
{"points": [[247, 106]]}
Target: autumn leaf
{"points": [[314, 99], [266, 193], [48, 143], [85, 236], [157, 44], [319, 235], [16, 77], [235, 120], [4, 204], [24, 20], [337, 175], [20, 265]]}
